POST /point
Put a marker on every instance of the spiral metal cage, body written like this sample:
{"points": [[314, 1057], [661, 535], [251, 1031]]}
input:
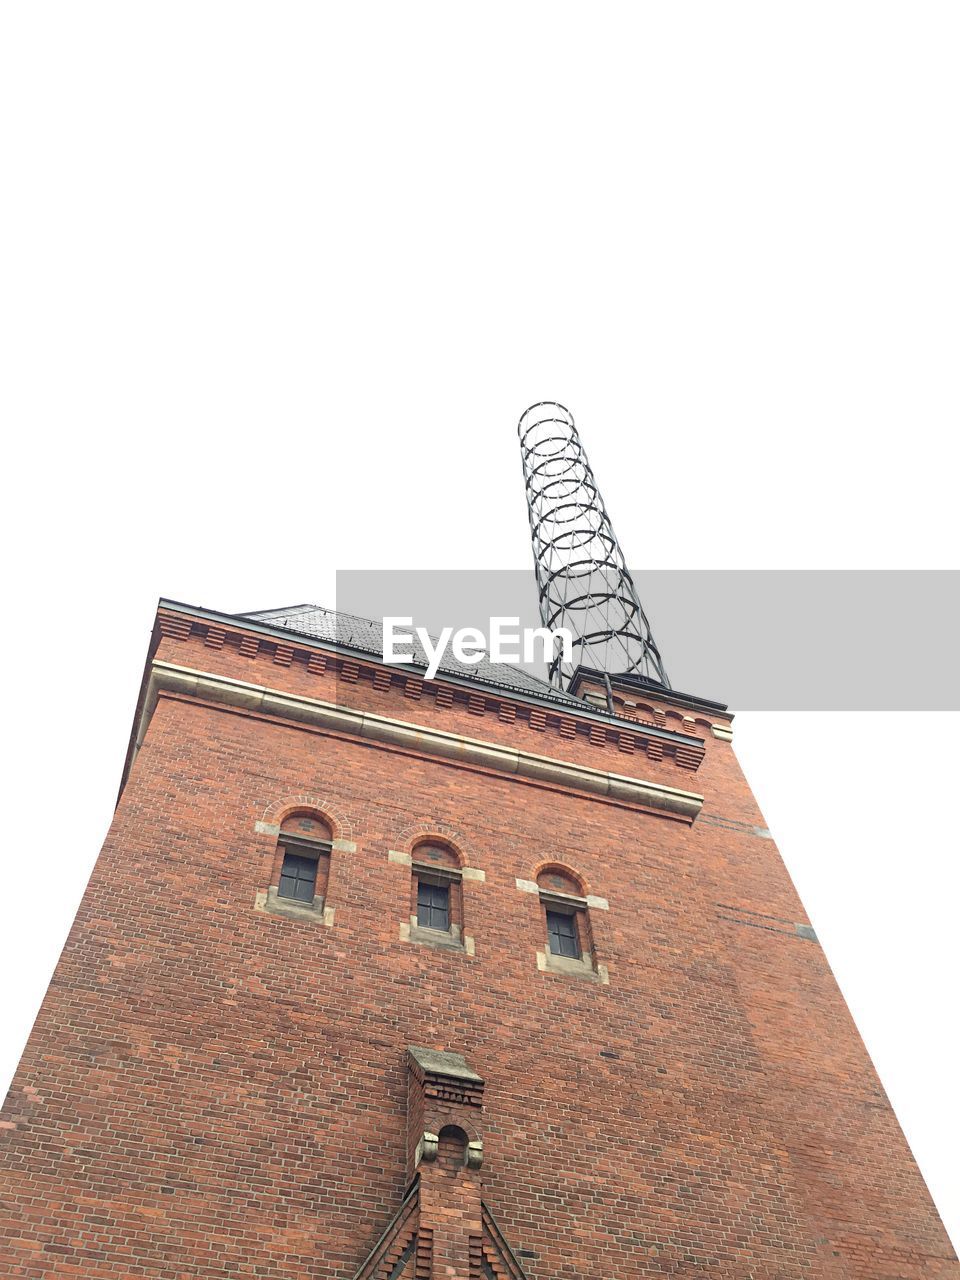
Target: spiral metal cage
{"points": [[583, 581]]}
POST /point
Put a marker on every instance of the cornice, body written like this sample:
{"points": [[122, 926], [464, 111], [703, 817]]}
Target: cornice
{"points": [[170, 678], [219, 624], [650, 689]]}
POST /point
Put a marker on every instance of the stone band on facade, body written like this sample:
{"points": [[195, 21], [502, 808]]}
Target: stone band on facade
{"points": [[167, 677]]}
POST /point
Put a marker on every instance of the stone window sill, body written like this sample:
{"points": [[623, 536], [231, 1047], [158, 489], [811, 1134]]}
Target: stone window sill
{"points": [[583, 968], [314, 912], [444, 940]]}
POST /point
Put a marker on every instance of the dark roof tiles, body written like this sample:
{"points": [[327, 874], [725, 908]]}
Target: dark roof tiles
{"points": [[366, 636]]}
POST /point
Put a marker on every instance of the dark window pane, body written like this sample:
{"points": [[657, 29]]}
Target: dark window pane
{"points": [[298, 877], [299, 863], [433, 905], [562, 933]]}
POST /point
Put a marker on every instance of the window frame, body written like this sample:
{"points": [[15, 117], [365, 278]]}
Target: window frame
{"points": [[431, 907], [576, 907], [303, 846], [553, 912], [313, 858], [450, 878]]}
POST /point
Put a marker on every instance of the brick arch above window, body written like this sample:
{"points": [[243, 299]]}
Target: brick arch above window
{"points": [[449, 1117], [556, 877], [306, 822], [437, 852], [276, 814], [443, 833]]}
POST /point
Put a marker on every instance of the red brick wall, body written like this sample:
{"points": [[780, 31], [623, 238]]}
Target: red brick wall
{"points": [[213, 1090]]}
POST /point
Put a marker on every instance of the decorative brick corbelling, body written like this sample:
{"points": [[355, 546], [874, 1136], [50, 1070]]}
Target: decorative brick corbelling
{"points": [[496, 1251], [174, 628], [353, 670], [442, 1090], [395, 1241], [424, 1267], [688, 757]]}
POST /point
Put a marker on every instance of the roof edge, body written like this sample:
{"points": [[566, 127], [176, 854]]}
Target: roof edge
{"points": [[626, 683], [583, 710]]}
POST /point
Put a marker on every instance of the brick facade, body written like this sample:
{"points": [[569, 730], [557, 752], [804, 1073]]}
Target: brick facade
{"points": [[214, 1088]]}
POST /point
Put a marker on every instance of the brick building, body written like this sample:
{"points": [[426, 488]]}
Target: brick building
{"points": [[383, 977]]}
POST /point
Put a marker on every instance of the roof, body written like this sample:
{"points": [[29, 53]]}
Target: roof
{"points": [[366, 636]]}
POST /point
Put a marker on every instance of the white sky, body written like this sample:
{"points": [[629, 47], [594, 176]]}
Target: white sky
{"points": [[278, 280]]}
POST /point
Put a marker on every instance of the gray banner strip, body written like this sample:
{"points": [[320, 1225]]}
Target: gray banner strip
{"points": [[759, 640]]}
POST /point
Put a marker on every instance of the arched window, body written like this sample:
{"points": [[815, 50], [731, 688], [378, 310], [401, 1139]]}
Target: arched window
{"points": [[436, 906], [566, 922], [302, 865]]}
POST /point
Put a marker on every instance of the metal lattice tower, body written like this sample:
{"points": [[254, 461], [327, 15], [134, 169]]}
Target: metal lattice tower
{"points": [[583, 581]]}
